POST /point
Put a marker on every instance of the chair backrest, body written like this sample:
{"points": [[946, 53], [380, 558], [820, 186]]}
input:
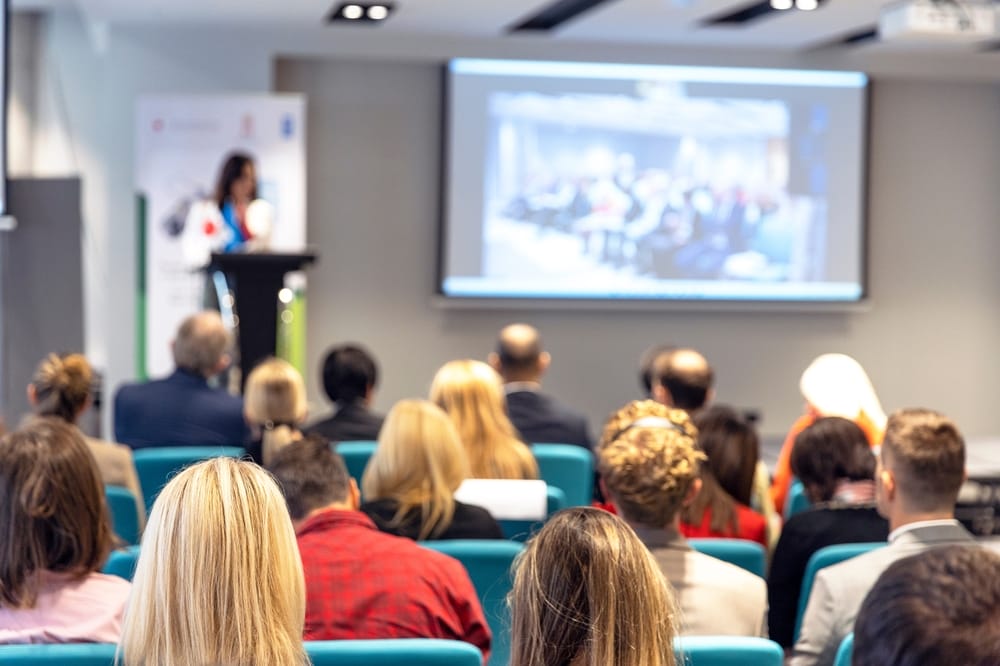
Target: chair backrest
{"points": [[522, 530], [489, 565], [568, 467], [65, 654], [727, 651], [797, 500], [156, 465], [748, 555], [122, 563], [846, 651], [124, 513], [822, 558], [355, 455], [393, 651]]}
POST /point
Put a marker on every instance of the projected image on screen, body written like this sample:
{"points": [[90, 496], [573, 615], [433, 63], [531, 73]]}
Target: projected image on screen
{"points": [[613, 185]]}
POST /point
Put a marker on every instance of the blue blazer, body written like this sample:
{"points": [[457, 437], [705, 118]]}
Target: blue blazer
{"points": [[540, 418], [181, 410]]}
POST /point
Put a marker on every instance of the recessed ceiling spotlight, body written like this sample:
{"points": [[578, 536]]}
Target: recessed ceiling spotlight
{"points": [[807, 5], [782, 5], [357, 12]]}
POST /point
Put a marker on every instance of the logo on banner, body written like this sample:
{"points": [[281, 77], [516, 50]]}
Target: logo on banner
{"points": [[287, 126]]}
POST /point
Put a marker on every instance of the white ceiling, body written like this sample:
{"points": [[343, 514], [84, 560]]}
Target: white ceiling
{"points": [[641, 22]]}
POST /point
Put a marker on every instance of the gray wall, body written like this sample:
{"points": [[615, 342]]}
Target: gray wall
{"points": [[928, 337]]}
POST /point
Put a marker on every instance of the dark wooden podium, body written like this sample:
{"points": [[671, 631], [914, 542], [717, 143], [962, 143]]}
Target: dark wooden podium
{"points": [[255, 280]]}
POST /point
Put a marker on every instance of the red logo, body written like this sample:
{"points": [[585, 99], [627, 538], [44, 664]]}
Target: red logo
{"points": [[157, 124]]}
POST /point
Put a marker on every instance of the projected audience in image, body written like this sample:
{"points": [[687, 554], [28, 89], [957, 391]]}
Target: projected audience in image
{"points": [[593, 187]]}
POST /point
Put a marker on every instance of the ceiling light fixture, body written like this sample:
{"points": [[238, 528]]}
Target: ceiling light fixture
{"points": [[781, 5], [807, 5], [357, 12]]}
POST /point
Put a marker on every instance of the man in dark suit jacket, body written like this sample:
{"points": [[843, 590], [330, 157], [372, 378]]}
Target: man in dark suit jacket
{"points": [[182, 409], [349, 378], [539, 417]]}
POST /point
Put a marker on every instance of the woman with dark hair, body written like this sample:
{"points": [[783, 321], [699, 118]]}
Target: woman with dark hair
{"points": [[54, 538], [833, 460], [722, 508], [235, 190]]}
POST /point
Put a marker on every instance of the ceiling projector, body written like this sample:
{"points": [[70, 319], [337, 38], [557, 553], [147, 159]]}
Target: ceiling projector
{"points": [[945, 21]]}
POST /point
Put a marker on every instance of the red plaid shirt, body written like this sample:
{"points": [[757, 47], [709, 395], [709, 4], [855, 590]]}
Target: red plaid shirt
{"points": [[362, 583]]}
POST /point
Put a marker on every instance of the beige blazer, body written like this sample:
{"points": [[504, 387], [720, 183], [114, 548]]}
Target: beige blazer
{"points": [[118, 469]]}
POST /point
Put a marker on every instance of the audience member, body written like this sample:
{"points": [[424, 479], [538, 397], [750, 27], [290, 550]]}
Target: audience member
{"points": [[921, 467], [54, 537], [538, 417], [649, 469], [470, 393], [274, 407], [722, 507], [832, 385], [411, 479], [361, 583], [61, 387], [646, 368], [938, 607], [835, 464], [682, 379], [219, 580], [350, 376], [587, 593], [183, 410]]}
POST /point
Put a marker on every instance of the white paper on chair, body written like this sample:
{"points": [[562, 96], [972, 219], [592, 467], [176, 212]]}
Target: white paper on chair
{"points": [[506, 499]]}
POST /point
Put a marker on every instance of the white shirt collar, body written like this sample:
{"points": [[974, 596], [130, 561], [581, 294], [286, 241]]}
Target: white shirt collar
{"points": [[514, 387], [921, 523]]}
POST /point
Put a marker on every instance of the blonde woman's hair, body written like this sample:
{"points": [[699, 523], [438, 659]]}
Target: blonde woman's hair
{"points": [[275, 402], [471, 393], [219, 579], [648, 459], [419, 463], [61, 384], [587, 592]]}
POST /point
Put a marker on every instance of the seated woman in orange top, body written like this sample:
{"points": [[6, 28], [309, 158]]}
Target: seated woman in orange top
{"points": [[722, 508], [832, 385]]}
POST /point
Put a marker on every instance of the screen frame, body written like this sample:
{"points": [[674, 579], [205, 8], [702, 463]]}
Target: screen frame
{"points": [[445, 300]]}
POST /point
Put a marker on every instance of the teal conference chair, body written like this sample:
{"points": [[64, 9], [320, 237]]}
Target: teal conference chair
{"points": [[846, 651], [392, 652], [489, 565], [822, 558], [727, 651], [522, 530], [122, 563], [748, 555], [124, 513], [355, 455], [156, 465], [797, 500], [66, 654], [568, 467]]}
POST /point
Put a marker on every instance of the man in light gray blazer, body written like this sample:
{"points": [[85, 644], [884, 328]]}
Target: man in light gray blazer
{"points": [[921, 467], [649, 462]]}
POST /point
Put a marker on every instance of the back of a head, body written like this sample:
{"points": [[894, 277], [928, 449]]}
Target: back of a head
{"points": [[470, 392], [938, 607], [837, 385], [310, 475], [732, 447], [201, 343], [349, 373], [686, 375], [925, 452], [61, 386], [647, 367], [831, 450], [648, 460], [52, 511], [419, 463], [588, 593], [274, 401], [219, 579], [519, 351]]}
